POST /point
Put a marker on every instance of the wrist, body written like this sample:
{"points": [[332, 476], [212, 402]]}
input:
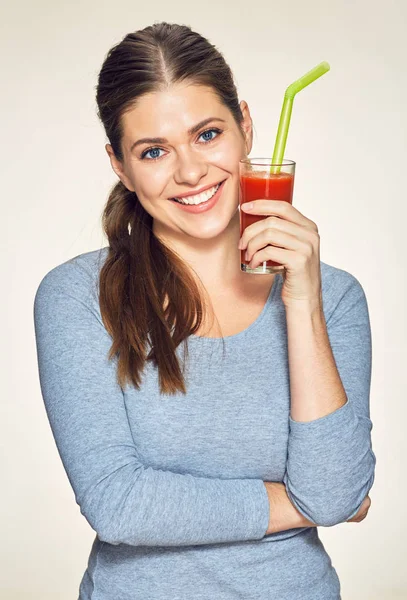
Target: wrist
{"points": [[283, 514]]}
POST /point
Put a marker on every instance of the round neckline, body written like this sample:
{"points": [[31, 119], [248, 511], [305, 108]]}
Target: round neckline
{"points": [[235, 336]]}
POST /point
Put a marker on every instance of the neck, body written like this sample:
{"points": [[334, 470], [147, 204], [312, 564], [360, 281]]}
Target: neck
{"points": [[216, 263]]}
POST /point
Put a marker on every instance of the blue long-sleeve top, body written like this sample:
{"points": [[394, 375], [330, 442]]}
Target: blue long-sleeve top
{"points": [[173, 485]]}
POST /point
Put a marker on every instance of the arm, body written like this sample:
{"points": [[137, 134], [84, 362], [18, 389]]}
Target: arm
{"points": [[283, 513], [123, 501], [330, 466], [285, 516]]}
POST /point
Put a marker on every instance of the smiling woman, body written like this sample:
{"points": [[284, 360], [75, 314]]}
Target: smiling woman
{"points": [[190, 156], [190, 475], [176, 139]]}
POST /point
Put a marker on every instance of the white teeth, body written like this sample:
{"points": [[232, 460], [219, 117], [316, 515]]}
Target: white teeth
{"points": [[199, 198]]}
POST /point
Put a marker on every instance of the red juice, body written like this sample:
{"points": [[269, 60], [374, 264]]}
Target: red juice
{"points": [[261, 185]]}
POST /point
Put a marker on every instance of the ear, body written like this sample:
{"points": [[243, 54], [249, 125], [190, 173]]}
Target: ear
{"points": [[118, 168], [247, 125]]}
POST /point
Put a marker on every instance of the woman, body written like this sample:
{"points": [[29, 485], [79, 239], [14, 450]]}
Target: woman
{"points": [[204, 474]]}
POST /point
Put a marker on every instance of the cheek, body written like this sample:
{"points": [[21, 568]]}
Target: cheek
{"points": [[227, 158], [149, 185], [227, 155]]}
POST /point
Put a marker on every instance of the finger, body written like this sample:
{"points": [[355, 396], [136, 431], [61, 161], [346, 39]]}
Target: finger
{"points": [[281, 255], [358, 518], [279, 208], [272, 237], [277, 224]]}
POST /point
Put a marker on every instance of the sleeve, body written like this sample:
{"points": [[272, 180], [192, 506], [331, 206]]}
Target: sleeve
{"points": [[331, 465], [123, 501]]}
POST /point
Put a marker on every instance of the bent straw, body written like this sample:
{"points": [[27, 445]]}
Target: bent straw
{"points": [[291, 91]]}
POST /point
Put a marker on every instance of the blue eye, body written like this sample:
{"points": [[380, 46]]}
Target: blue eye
{"points": [[155, 148], [151, 150], [209, 131]]}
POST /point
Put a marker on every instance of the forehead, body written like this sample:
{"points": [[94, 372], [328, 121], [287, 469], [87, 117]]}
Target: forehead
{"points": [[172, 112]]}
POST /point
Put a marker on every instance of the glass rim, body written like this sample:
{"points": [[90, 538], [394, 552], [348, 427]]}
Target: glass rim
{"points": [[267, 161]]}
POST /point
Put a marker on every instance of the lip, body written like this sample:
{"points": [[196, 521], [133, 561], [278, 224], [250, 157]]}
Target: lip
{"points": [[203, 189], [204, 206]]}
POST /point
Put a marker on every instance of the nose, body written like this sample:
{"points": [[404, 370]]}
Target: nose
{"points": [[190, 167]]}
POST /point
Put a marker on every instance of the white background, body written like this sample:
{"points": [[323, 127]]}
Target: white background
{"points": [[348, 137]]}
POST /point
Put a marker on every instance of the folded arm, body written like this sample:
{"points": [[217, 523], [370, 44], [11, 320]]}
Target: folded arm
{"points": [[123, 500], [330, 465]]}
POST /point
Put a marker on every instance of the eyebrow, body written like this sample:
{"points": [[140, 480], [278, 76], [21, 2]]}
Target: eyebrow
{"points": [[191, 131]]}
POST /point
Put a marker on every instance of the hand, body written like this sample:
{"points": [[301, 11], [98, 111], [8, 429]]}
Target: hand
{"points": [[283, 514], [290, 238], [362, 512]]}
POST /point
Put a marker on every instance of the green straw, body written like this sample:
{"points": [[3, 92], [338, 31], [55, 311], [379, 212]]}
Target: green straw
{"points": [[291, 91]]}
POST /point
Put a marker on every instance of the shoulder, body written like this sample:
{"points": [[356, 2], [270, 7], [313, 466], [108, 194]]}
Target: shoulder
{"points": [[78, 275], [341, 291]]}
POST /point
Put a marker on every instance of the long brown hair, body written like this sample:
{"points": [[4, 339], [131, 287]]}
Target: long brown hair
{"points": [[148, 294]]}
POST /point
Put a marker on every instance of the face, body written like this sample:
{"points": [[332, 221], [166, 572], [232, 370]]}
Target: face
{"points": [[186, 162]]}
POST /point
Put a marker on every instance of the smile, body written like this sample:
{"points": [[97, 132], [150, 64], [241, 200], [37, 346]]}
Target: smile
{"points": [[202, 202], [199, 198]]}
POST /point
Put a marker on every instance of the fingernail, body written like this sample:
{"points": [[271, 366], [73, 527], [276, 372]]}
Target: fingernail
{"points": [[240, 244], [247, 205]]}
